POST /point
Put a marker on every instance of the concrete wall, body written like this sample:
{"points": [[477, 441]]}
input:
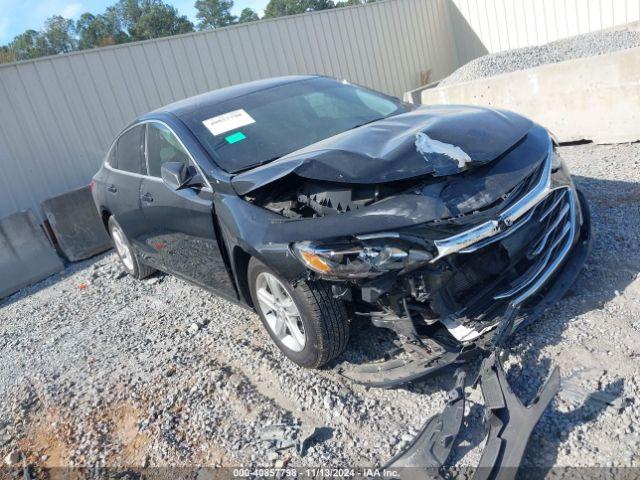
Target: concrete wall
{"points": [[595, 98]]}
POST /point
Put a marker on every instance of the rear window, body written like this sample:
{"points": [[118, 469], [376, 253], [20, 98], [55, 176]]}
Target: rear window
{"points": [[257, 128], [129, 155]]}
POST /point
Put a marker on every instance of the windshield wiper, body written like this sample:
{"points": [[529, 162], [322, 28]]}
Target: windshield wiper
{"points": [[367, 123], [259, 164]]}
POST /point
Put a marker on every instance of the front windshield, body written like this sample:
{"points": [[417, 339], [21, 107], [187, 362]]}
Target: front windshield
{"points": [[254, 129]]}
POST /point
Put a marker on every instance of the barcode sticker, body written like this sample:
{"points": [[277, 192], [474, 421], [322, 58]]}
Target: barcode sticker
{"points": [[228, 121]]}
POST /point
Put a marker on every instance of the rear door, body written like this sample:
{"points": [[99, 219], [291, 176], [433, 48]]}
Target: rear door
{"points": [[179, 223], [126, 166]]}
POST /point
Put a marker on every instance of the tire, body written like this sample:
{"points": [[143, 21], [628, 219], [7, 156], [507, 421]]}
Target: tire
{"points": [[324, 319], [128, 259]]}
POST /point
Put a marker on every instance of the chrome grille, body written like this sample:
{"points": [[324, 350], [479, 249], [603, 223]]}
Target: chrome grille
{"points": [[556, 215], [534, 248], [487, 232]]}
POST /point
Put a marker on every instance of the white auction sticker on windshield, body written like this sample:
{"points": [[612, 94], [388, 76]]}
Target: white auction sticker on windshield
{"points": [[228, 121]]}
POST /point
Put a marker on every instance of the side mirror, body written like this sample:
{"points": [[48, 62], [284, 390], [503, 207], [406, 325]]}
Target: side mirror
{"points": [[175, 175]]}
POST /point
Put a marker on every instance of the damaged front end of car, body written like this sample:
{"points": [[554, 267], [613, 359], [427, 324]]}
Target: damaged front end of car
{"points": [[436, 224]]}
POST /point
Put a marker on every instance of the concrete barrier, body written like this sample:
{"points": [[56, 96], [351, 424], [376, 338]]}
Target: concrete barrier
{"points": [[595, 98], [76, 224], [26, 256]]}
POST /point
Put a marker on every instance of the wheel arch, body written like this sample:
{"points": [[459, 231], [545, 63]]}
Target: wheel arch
{"points": [[240, 263], [105, 215]]}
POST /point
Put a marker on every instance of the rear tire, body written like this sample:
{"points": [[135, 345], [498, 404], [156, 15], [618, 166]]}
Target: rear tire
{"points": [[324, 319], [128, 258]]}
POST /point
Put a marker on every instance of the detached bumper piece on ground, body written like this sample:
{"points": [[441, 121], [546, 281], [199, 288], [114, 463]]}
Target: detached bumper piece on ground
{"points": [[431, 447], [510, 426], [510, 422], [408, 362]]}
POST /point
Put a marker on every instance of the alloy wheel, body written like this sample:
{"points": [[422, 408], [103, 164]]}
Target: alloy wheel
{"points": [[122, 248], [280, 312]]}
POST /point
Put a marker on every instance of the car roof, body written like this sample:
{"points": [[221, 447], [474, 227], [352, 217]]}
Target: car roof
{"points": [[191, 104]]}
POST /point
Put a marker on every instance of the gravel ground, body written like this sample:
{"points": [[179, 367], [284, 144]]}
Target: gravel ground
{"points": [[97, 368], [581, 46]]}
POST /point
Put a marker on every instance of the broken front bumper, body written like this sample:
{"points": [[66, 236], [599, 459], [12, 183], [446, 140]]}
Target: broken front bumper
{"points": [[544, 271], [565, 275], [487, 267], [431, 356]]}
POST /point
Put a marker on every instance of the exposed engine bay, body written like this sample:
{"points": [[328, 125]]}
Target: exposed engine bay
{"points": [[461, 271], [450, 226], [313, 199], [446, 225], [450, 288]]}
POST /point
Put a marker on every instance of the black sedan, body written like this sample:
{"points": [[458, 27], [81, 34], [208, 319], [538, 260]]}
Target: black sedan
{"points": [[312, 200]]}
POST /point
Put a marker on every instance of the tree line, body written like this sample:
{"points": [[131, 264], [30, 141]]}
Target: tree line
{"points": [[134, 20]]}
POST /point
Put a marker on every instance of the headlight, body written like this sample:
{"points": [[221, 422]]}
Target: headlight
{"points": [[357, 259]]}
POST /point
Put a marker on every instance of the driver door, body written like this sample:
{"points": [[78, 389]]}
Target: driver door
{"points": [[180, 234]]}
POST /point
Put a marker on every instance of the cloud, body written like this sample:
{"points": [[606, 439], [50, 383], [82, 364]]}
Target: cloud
{"points": [[72, 10], [46, 8], [16, 16]]}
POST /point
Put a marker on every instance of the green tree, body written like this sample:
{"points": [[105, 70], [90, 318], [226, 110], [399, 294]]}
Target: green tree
{"points": [[127, 20], [145, 19], [99, 31], [349, 3], [30, 44], [281, 8], [128, 13], [86, 27], [60, 34], [7, 55], [315, 5], [160, 20], [214, 13], [248, 15]]}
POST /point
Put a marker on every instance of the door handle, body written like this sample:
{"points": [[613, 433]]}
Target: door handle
{"points": [[112, 189], [147, 197]]}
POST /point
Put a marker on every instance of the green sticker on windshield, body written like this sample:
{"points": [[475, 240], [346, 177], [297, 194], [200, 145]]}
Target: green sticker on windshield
{"points": [[235, 137]]}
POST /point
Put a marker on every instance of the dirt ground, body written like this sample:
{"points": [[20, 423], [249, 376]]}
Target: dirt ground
{"points": [[98, 369]]}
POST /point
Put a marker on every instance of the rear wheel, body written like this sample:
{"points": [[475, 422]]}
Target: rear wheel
{"points": [[127, 256], [306, 322]]}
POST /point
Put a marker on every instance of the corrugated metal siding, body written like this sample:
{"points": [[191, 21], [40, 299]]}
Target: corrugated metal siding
{"points": [[58, 115], [506, 24]]}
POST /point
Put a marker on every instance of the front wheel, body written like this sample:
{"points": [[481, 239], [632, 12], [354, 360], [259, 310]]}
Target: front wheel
{"points": [[306, 322]]}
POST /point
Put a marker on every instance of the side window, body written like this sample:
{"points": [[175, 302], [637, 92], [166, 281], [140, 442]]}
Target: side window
{"points": [[163, 146], [129, 150]]}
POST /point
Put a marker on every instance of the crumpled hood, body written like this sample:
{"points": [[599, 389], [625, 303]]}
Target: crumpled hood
{"points": [[439, 140]]}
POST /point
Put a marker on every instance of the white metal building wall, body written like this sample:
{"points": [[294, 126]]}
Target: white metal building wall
{"points": [[59, 114], [506, 24]]}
